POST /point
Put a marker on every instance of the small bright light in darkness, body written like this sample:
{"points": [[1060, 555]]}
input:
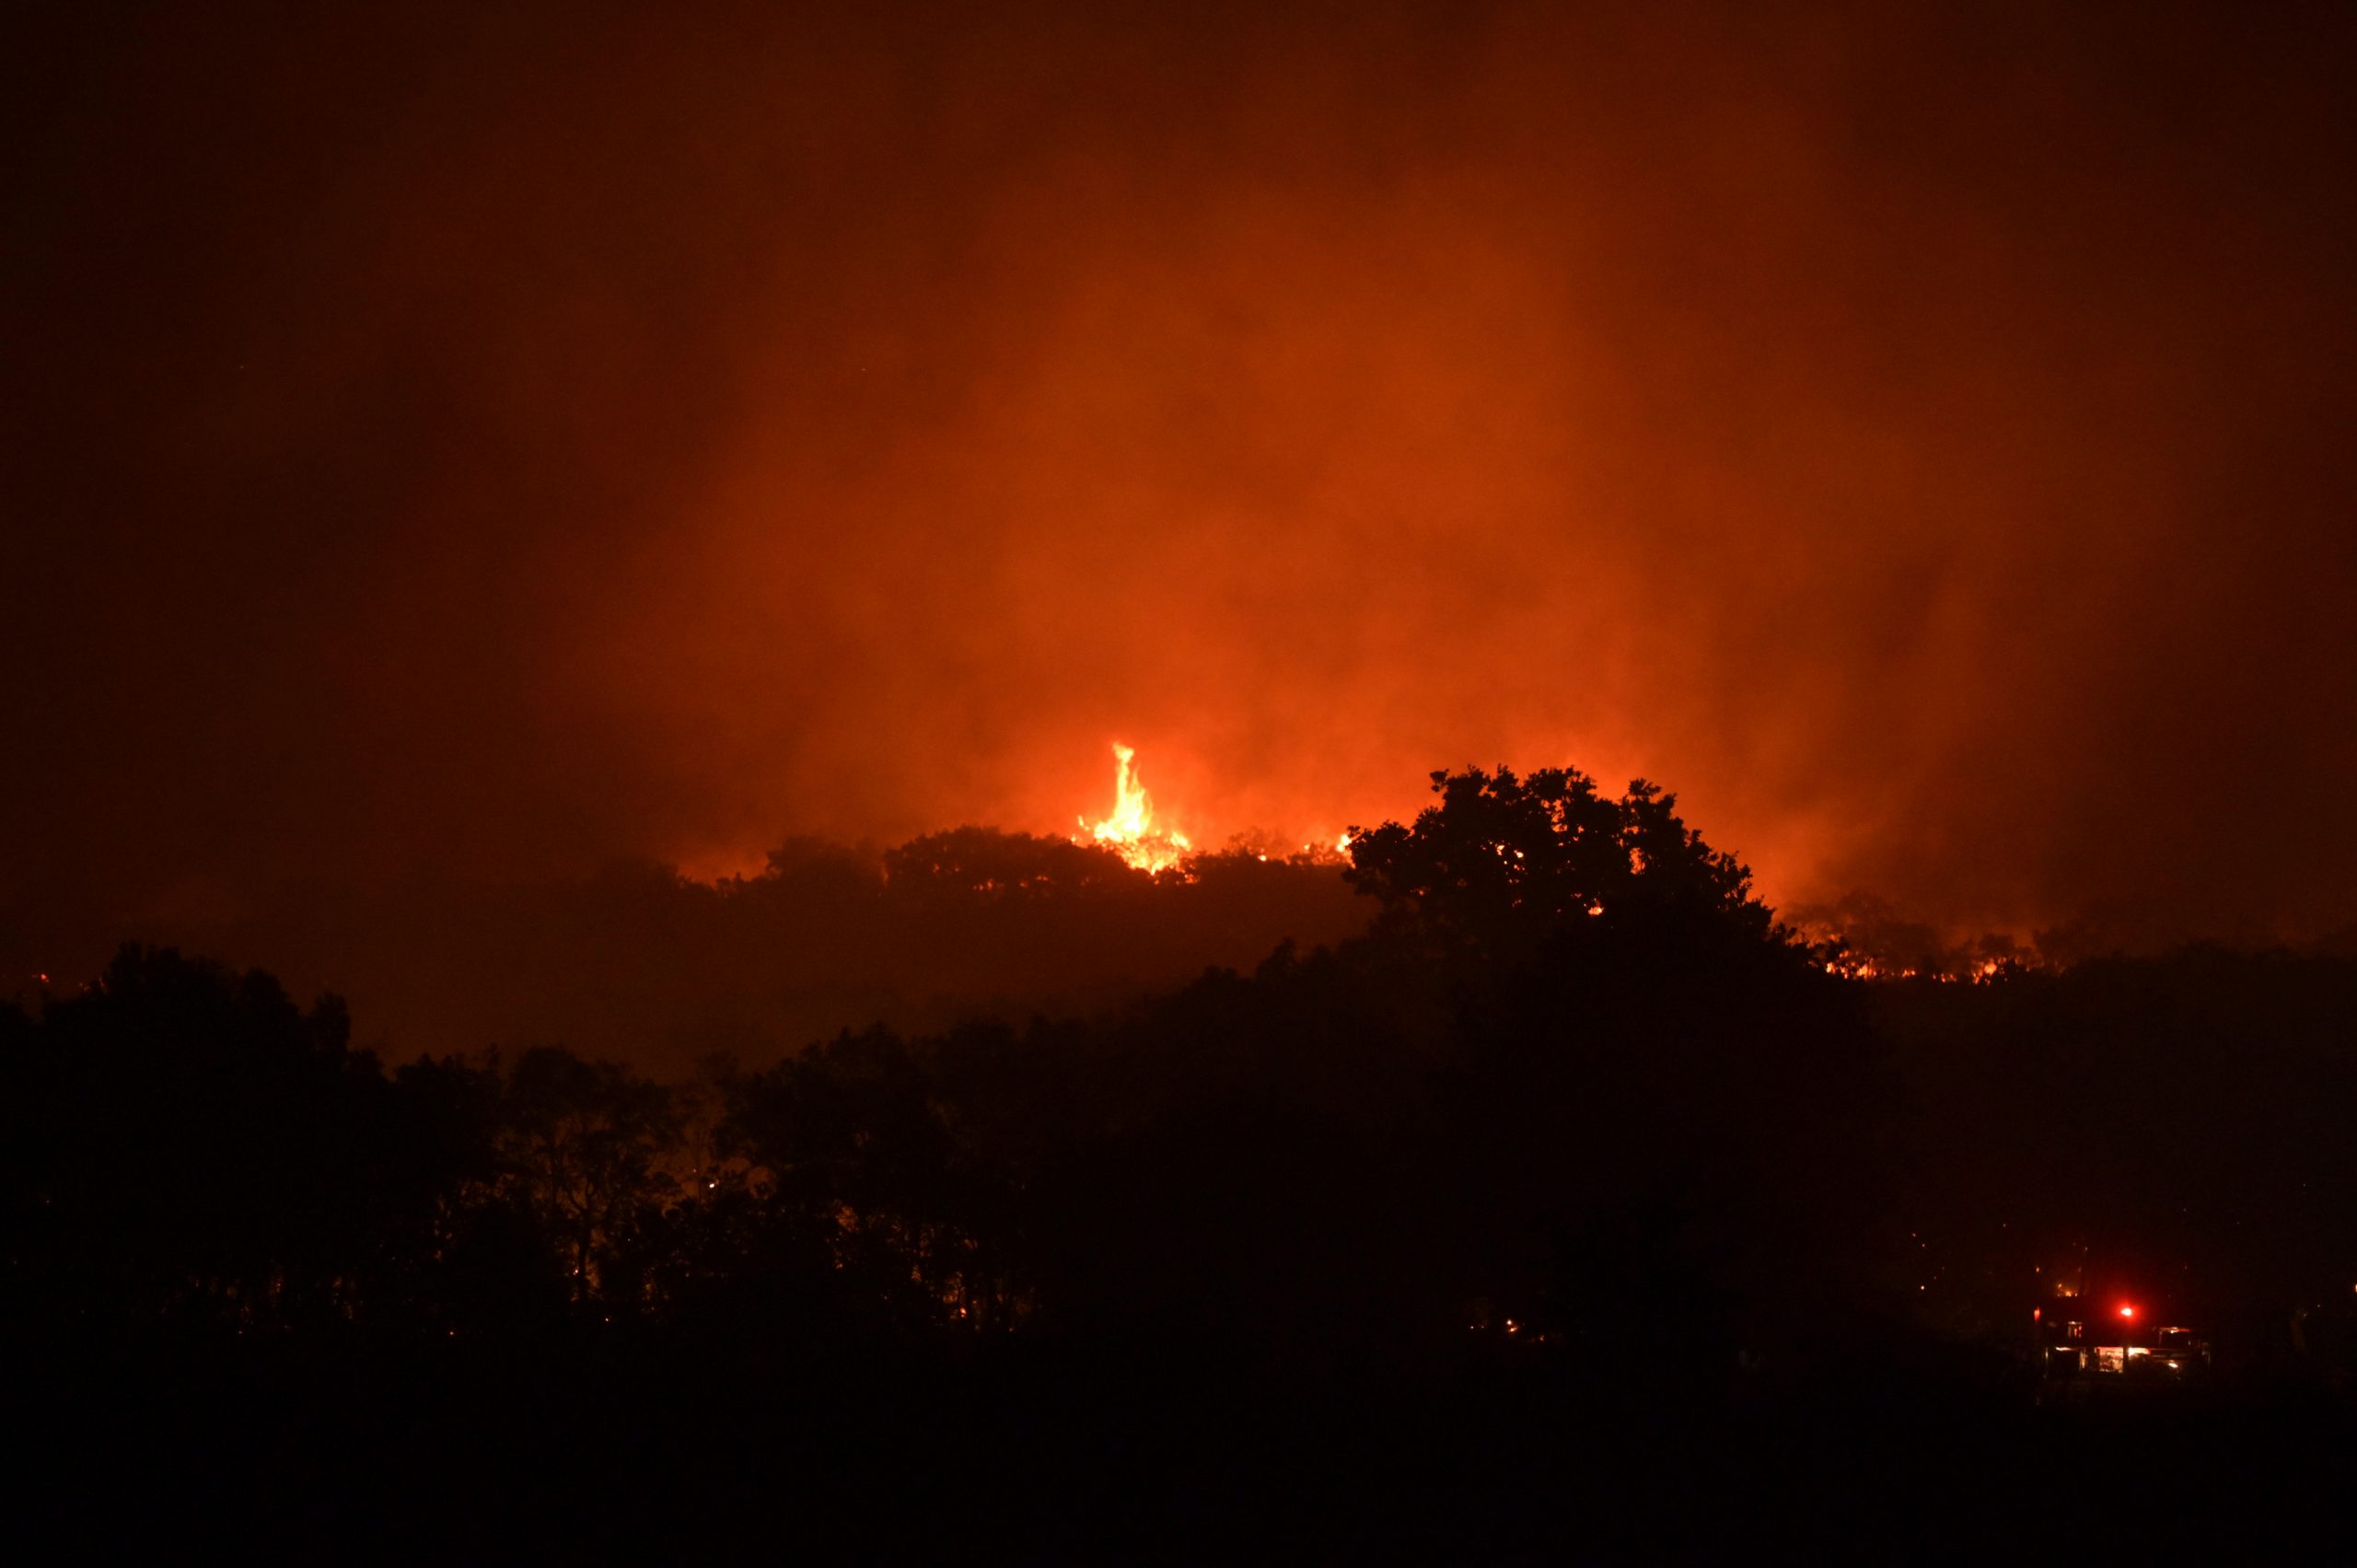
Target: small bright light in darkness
{"points": [[2127, 1312]]}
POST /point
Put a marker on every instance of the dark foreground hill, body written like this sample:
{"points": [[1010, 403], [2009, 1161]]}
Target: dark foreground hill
{"points": [[1576, 1210]]}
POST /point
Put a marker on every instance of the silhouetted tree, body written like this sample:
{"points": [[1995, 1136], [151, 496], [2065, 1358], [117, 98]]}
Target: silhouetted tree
{"points": [[1629, 1033], [584, 1146], [857, 1132], [1502, 861], [186, 1142], [956, 866]]}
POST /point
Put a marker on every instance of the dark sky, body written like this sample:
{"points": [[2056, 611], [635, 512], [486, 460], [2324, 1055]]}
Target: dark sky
{"points": [[486, 441]]}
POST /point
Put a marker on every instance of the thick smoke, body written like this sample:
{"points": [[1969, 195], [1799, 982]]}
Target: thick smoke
{"points": [[469, 444]]}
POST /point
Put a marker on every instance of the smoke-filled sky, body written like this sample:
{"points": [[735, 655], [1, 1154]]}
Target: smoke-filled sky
{"points": [[489, 441]]}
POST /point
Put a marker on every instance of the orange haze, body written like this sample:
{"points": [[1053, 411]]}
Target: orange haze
{"points": [[491, 442]]}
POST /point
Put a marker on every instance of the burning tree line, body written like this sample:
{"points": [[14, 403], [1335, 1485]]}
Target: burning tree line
{"points": [[1575, 1093]]}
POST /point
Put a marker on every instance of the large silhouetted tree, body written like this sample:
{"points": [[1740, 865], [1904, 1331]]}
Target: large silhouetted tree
{"points": [[1502, 861], [1636, 1054], [185, 1142]]}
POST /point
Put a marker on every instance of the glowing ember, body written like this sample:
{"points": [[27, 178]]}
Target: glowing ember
{"points": [[1131, 832]]}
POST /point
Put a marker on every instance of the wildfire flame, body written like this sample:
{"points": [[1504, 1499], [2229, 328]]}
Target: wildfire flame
{"points": [[1131, 830]]}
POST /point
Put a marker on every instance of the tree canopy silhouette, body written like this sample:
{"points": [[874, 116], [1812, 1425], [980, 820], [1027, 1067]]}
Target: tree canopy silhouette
{"points": [[1502, 861], [1574, 1077]]}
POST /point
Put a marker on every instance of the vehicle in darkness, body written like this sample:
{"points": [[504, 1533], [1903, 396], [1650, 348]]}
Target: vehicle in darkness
{"points": [[2084, 1342]]}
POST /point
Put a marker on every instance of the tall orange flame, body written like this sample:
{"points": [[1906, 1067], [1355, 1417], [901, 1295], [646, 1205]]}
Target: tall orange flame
{"points": [[1131, 832]]}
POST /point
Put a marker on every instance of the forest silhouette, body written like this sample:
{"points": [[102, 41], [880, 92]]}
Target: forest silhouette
{"points": [[1573, 1177]]}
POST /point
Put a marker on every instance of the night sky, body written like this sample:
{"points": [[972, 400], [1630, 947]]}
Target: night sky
{"points": [[484, 443]]}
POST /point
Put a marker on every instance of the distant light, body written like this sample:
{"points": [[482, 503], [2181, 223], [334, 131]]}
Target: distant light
{"points": [[2127, 1312], [2037, 1314]]}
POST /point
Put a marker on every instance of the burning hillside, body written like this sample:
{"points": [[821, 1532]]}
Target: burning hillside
{"points": [[1132, 831]]}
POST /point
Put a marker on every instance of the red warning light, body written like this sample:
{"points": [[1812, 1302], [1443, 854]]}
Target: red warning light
{"points": [[2127, 1312]]}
